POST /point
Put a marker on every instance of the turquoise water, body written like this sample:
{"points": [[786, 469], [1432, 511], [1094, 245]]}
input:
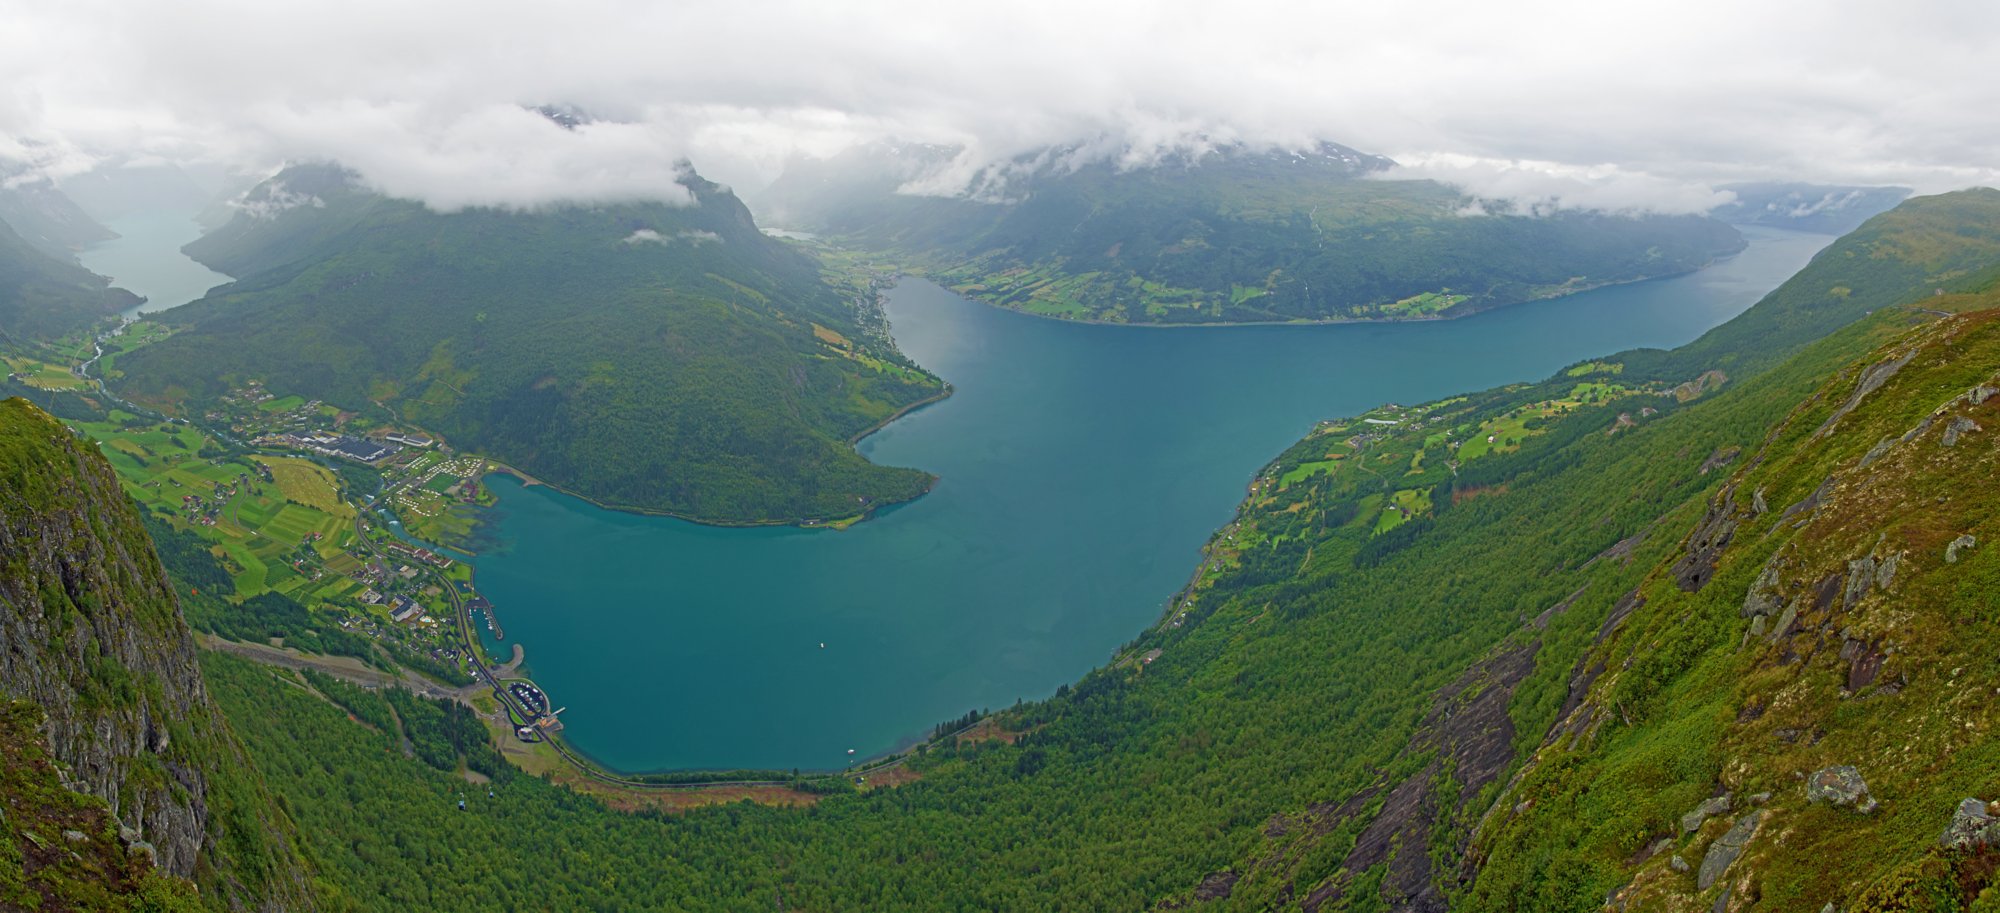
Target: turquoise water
{"points": [[1082, 468], [146, 259]]}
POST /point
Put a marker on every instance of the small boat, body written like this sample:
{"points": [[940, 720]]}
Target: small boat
{"points": [[822, 645], [850, 751]]}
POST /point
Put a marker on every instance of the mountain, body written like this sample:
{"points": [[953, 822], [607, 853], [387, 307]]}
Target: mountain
{"points": [[1483, 652], [647, 356], [47, 218], [43, 297], [98, 665], [1507, 650], [1232, 234], [1833, 210]]}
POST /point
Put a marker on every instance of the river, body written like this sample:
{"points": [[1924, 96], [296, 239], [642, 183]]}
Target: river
{"points": [[1082, 468]]}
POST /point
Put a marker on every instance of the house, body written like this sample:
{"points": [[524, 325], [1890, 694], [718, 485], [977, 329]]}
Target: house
{"points": [[405, 609]]}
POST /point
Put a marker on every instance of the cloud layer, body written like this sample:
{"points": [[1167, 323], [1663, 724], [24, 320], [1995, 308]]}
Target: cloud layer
{"points": [[1622, 106]]}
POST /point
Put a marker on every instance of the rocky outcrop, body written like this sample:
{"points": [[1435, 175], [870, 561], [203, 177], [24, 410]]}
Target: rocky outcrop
{"points": [[1725, 850], [1840, 785], [1709, 808], [1972, 824]]}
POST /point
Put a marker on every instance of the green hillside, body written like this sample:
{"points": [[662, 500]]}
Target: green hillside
{"points": [[1400, 615], [665, 358], [1832, 606], [1232, 235]]}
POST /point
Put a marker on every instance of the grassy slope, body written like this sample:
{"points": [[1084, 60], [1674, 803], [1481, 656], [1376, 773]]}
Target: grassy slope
{"points": [[1241, 237], [1699, 699], [678, 374], [1296, 679]]}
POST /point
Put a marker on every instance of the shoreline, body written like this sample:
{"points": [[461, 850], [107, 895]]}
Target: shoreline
{"points": [[1304, 322]]}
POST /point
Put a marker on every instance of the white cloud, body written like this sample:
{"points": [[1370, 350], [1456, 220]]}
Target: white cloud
{"points": [[1539, 188], [689, 236], [425, 100]]}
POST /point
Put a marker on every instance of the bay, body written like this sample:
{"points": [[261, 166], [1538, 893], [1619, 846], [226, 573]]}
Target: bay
{"points": [[1082, 467]]}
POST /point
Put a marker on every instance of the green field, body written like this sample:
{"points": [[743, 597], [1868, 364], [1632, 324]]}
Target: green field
{"points": [[44, 375], [258, 531], [1404, 506], [1304, 470]]}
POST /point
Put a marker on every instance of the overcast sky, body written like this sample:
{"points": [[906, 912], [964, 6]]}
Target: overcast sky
{"points": [[1602, 104]]}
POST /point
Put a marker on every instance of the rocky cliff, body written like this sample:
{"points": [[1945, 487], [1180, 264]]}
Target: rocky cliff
{"points": [[91, 633]]}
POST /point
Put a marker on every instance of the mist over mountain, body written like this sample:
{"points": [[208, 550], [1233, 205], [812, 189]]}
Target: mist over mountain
{"points": [[1227, 233]]}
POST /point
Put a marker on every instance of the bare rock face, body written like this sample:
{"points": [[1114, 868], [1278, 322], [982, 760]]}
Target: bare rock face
{"points": [[89, 631], [1958, 428], [1710, 807], [1705, 545], [1971, 825], [92, 635], [1958, 545], [1723, 852]]}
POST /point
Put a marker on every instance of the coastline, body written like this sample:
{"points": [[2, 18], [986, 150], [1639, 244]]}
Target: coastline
{"points": [[1331, 321]]}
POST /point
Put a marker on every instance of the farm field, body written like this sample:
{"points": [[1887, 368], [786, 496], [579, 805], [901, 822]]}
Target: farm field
{"points": [[287, 534]]}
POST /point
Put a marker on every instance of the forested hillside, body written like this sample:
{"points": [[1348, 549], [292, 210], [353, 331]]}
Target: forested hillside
{"points": [[1400, 613], [668, 358], [1228, 235], [42, 297]]}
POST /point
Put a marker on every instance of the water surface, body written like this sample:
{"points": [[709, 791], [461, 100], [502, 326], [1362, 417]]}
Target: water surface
{"points": [[146, 259], [1082, 468]]}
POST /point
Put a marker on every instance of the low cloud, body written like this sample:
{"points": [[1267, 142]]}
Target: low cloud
{"points": [[274, 199], [690, 237], [1542, 188], [433, 102]]}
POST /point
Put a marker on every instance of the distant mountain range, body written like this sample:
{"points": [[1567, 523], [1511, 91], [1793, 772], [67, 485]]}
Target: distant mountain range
{"points": [[1828, 209], [647, 356], [47, 218], [1225, 235]]}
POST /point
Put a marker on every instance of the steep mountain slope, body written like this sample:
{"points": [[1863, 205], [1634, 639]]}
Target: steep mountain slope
{"points": [[646, 356], [91, 637], [1831, 613], [1926, 246], [43, 297], [1393, 621], [1229, 235]]}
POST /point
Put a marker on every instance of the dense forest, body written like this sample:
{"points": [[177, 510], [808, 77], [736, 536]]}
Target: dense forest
{"points": [[655, 357], [1229, 235], [1289, 744]]}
